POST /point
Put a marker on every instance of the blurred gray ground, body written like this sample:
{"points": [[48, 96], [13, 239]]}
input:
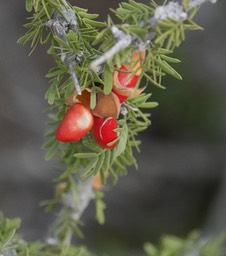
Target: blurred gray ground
{"points": [[181, 182]]}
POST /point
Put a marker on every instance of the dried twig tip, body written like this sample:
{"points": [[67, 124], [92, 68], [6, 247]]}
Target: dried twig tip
{"points": [[124, 40]]}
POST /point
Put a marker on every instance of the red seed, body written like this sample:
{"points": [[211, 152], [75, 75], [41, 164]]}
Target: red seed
{"points": [[121, 98], [127, 78], [76, 123], [103, 131]]}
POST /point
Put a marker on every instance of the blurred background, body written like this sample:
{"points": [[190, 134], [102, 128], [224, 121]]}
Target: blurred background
{"points": [[181, 181]]}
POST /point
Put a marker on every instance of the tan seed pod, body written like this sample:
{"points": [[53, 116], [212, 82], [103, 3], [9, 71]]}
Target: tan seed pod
{"points": [[107, 105]]}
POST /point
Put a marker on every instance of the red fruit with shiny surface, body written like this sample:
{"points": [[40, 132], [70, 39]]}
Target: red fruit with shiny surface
{"points": [[126, 78], [103, 131], [76, 123], [121, 97], [124, 84]]}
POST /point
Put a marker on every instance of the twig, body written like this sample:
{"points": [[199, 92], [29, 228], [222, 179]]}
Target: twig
{"points": [[195, 3], [61, 25], [123, 41], [171, 10], [75, 208]]}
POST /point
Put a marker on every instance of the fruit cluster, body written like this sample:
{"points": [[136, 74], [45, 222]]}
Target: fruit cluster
{"points": [[102, 120]]}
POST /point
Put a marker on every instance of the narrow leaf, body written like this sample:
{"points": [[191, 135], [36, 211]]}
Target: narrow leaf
{"points": [[52, 151], [85, 155], [154, 82], [93, 98], [149, 105], [87, 15], [87, 172], [99, 164], [52, 93], [107, 80], [29, 5], [168, 69], [170, 59], [100, 207], [93, 23], [7, 238]]}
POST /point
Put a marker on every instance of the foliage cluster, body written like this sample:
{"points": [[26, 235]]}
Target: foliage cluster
{"points": [[11, 244], [190, 246], [74, 43]]}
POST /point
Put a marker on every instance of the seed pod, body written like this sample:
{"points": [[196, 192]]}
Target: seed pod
{"points": [[107, 105], [84, 98]]}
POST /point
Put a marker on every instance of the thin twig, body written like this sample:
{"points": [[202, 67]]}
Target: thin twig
{"points": [[123, 41], [75, 207], [61, 25], [172, 10]]}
